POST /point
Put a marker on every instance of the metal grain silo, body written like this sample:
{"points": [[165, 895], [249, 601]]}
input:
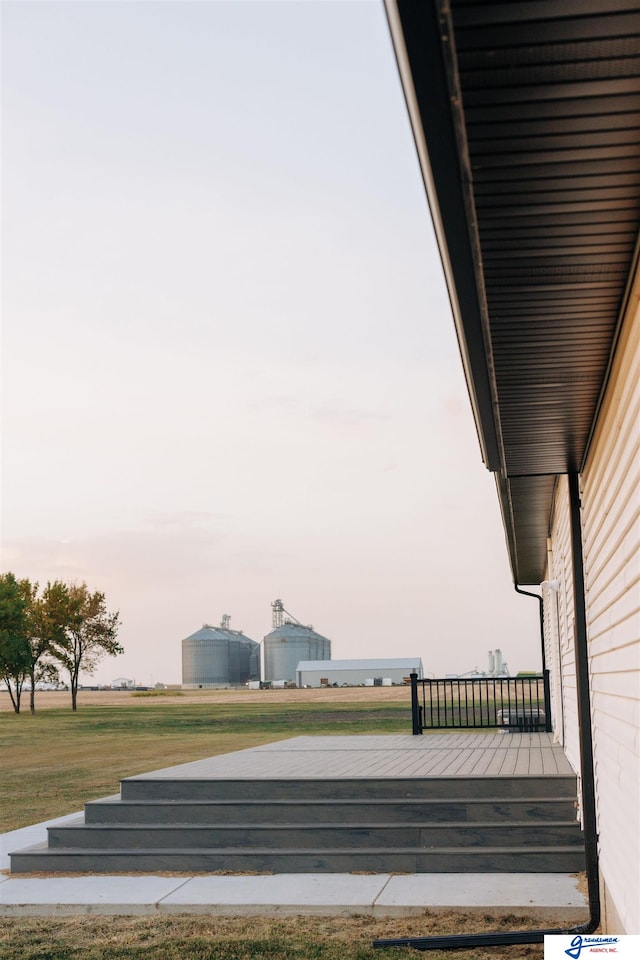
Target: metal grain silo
{"points": [[219, 657], [244, 658], [287, 645]]}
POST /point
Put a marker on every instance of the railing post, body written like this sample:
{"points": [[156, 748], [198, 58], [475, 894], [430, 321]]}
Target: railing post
{"points": [[415, 707], [547, 701]]}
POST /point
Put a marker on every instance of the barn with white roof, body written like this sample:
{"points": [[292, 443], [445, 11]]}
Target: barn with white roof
{"points": [[354, 673]]}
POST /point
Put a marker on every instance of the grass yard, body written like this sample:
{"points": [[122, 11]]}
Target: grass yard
{"points": [[211, 938], [56, 760]]}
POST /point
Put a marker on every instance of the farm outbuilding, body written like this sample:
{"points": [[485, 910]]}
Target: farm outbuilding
{"points": [[378, 672]]}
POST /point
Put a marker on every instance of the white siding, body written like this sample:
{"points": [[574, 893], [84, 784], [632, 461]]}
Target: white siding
{"points": [[610, 494], [552, 651], [611, 533], [561, 569]]}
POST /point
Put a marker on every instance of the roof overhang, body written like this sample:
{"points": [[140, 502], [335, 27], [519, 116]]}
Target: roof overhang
{"points": [[526, 119]]}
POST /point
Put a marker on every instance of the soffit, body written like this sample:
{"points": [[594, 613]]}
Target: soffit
{"points": [[527, 121]]}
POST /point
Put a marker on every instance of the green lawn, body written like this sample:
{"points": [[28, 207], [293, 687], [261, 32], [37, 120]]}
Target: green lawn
{"points": [[56, 760]]}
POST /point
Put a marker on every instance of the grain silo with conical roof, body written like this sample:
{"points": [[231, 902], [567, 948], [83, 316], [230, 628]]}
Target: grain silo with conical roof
{"points": [[290, 642], [219, 657]]}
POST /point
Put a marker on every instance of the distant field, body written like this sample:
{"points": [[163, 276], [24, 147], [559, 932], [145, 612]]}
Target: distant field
{"points": [[95, 698], [56, 760]]}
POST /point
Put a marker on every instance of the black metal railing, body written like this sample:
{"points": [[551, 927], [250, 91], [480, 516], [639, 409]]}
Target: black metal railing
{"points": [[507, 703]]}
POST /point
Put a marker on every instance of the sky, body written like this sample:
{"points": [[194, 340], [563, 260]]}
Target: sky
{"points": [[229, 368]]}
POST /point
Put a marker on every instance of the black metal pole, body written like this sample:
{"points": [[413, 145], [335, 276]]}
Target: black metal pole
{"points": [[587, 776], [547, 700], [415, 708]]}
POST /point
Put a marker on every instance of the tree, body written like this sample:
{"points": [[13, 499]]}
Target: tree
{"points": [[15, 596], [47, 622], [89, 632]]}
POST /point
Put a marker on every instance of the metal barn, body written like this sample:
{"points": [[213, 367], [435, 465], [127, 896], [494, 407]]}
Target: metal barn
{"points": [[314, 673]]}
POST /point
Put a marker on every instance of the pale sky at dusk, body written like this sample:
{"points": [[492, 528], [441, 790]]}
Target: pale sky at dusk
{"points": [[229, 368]]}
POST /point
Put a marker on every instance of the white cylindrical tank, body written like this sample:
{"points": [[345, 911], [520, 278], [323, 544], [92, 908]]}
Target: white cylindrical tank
{"points": [[492, 664], [287, 645], [499, 665]]}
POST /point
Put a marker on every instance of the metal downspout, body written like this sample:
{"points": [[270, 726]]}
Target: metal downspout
{"points": [[536, 596], [470, 940], [545, 672], [587, 775]]}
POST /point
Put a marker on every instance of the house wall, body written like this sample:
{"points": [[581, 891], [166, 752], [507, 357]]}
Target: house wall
{"points": [[553, 651], [610, 486], [559, 615], [611, 525]]}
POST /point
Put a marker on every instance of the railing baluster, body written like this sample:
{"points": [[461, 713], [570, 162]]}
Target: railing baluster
{"points": [[445, 704]]}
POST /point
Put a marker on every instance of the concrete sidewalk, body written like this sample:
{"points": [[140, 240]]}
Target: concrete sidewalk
{"points": [[553, 897]]}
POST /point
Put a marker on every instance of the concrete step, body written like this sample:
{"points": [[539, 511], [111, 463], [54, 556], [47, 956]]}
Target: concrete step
{"points": [[366, 788], [284, 837], [376, 860], [196, 812]]}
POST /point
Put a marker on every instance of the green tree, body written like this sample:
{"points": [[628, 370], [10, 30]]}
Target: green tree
{"points": [[47, 621], [89, 632], [15, 600]]}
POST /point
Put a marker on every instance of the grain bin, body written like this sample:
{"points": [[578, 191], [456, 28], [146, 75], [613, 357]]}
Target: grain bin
{"points": [[287, 645], [219, 657]]}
